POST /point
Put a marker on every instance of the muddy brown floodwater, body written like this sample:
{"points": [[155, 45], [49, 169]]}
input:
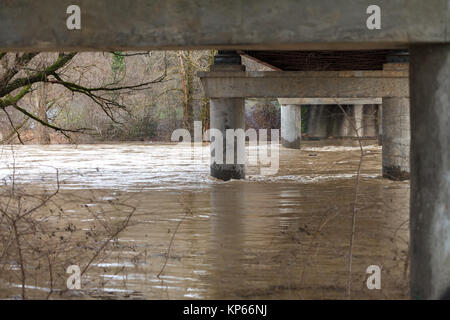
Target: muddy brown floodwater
{"points": [[269, 237]]}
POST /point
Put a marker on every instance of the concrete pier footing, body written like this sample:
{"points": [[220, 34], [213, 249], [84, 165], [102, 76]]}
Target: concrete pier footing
{"points": [[228, 113], [430, 171], [291, 126]]}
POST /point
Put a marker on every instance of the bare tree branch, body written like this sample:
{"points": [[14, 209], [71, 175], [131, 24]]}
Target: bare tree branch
{"points": [[62, 60]]}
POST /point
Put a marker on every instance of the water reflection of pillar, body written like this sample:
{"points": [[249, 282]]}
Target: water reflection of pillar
{"points": [[382, 236], [227, 240], [395, 238], [245, 259]]}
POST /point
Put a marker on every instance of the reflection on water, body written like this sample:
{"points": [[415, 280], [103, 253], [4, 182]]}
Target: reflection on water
{"points": [[284, 236]]}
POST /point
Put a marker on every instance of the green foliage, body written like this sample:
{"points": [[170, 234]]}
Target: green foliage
{"points": [[117, 65]]}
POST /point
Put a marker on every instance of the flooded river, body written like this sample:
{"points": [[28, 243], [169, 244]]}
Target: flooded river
{"points": [[189, 236]]}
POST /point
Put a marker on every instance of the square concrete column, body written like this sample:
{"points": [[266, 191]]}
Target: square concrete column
{"points": [[396, 136], [291, 126], [430, 171], [227, 115]]}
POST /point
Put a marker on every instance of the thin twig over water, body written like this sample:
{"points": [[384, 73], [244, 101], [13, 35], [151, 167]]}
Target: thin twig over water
{"points": [[355, 202], [188, 211]]}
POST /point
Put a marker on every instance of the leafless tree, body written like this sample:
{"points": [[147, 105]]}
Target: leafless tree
{"points": [[23, 73]]}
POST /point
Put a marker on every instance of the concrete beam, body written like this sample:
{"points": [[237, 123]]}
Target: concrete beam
{"points": [[330, 101], [236, 24], [292, 84]]}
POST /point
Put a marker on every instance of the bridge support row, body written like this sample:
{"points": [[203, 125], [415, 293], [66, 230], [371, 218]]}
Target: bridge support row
{"points": [[395, 126], [429, 147], [228, 86], [396, 137], [327, 119]]}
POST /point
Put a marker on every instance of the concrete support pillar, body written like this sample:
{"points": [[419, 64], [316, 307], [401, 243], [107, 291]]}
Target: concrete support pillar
{"points": [[369, 121], [430, 171], [227, 113], [396, 138], [317, 123], [348, 121], [291, 126], [358, 114], [336, 124], [396, 133]]}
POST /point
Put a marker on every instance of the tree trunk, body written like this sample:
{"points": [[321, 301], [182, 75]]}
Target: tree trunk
{"points": [[187, 83], [43, 131], [205, 104]]}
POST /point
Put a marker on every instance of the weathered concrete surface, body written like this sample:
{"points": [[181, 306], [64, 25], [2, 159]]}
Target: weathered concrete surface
{"points": [[396, 132], [317, 122], [235, 24], [348, 122], [337, 123], [396, 138], [322, 101], [430, 171], [369, 122], [358, 115], [227, 114], [293, 84], [324, 121], [291, 126]]}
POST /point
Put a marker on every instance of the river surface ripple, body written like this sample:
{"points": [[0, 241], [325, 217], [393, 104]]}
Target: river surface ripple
{"points": [[284, 236]]}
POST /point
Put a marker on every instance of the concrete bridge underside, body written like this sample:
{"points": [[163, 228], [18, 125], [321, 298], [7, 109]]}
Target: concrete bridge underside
{"points": [[422, 27], [333, 87]]}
